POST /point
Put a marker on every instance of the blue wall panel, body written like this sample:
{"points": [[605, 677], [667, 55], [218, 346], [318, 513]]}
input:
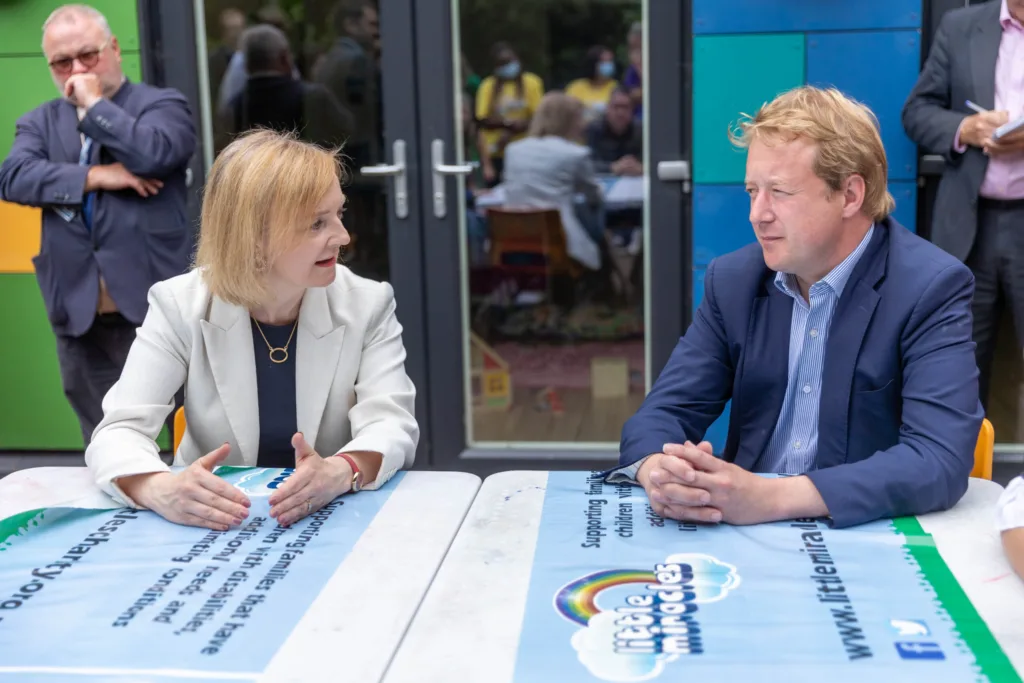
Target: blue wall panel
{"points": [[878, 69], [905, 194], [721, 221], [770, 16]]}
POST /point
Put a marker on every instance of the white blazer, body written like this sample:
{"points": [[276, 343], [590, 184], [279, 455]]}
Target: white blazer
{"points": [[547, 172], [352, 393]]}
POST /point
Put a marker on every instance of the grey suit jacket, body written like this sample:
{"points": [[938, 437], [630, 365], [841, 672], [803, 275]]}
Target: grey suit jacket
{"points": [[961, 66], [134, 242]]}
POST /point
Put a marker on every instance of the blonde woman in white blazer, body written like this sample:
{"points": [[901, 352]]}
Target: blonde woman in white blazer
{"points": [[287, 358]]}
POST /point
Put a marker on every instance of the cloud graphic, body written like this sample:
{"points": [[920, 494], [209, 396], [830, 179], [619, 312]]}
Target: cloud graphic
{"points": [[712, 578], [594, 647]]}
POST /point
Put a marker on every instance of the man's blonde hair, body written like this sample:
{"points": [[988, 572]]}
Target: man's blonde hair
{"points": [[844, 130], [557, 114], [261, 195]]}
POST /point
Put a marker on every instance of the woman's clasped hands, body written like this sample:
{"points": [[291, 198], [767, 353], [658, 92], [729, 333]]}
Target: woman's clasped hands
{"points": [[197, 497]]}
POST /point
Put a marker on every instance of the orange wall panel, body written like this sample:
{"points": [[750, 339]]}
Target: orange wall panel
{"points": [[19, 237]]}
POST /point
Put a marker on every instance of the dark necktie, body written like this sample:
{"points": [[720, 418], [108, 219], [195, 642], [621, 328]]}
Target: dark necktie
{"points": [[87, 200]]}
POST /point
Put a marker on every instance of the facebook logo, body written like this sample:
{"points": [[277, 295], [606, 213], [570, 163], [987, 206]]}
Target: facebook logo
{"points": [[918, 650]]}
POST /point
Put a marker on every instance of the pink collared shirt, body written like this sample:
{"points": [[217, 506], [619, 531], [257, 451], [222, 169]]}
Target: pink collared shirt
{"points": [[1004, 178]]}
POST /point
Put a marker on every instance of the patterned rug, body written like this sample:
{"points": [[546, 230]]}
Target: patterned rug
{"points": [[537, 366], [584, 323]]}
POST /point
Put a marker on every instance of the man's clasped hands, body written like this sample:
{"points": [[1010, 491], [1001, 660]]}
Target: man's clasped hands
{"points": [[688, 483]]}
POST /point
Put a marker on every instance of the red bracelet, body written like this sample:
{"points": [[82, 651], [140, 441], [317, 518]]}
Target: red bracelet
{"points": [[350, 460]]}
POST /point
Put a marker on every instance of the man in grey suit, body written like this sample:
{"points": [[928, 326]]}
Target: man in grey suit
{"points": [[977, 57], [106, 163]]}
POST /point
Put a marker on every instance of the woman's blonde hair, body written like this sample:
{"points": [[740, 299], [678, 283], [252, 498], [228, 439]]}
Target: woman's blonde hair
{"points": [[261, 194], [557, 114], [844, 130]]}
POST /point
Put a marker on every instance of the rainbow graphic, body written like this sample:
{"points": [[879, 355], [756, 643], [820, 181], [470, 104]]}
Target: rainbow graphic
{"points": [[577, 601]]}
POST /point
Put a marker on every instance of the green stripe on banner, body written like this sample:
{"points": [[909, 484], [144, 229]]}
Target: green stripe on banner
{"points": [[991, 659], [15, 524], [224, 470]]}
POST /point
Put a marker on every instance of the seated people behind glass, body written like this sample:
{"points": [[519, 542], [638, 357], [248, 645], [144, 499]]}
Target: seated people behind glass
{"points": [[285, 355], [550, 167], [505, 104], [616, 140], [273, 98], [843, 340], [597, 84], [1010, 522]]}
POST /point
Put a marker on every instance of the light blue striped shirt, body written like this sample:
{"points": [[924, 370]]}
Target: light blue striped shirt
{"points": [[794, 443]]}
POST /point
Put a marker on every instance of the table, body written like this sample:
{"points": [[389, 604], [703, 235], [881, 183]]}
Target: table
{"points": [[471, 622], [353, 625], [620, 192]]}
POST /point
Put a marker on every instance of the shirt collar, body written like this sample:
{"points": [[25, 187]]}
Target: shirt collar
{"points": [[837, 277], [1007, 20]]}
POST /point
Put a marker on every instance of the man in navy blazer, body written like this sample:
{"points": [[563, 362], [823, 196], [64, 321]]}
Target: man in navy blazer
{"points": [[842, 339], [106, 163]]}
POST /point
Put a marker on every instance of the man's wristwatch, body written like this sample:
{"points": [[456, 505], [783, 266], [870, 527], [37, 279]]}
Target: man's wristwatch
{"points": [[357, 476]]}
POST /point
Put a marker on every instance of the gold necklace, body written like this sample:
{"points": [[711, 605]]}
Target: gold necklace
{"points": [[283, 350]]}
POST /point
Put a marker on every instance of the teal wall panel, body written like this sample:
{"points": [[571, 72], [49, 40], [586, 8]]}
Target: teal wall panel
{"points": [[726, 84]]}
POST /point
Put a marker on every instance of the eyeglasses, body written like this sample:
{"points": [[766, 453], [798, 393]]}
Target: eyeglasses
{"points": [[89, 58]]}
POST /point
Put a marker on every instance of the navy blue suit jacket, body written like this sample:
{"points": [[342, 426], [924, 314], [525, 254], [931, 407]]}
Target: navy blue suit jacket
{"points": [[134, 242], [899, 414]]}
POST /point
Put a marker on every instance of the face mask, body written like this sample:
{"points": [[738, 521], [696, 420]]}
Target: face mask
{"points": [[606, 69], [508, 71]]}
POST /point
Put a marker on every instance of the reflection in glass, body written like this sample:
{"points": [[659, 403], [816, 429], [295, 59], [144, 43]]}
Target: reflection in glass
{"points": [[554, 218], [313, 67]]}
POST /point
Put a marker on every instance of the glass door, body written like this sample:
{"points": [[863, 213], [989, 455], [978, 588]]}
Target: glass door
{"points": [[556, 260], [338, 71]]}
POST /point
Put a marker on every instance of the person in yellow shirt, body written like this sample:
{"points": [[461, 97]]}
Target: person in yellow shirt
{"points": [[597, 86], [505, 103]]}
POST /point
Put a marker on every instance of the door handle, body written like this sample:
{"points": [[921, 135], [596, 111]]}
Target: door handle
{"points": [[395, 170], [675, 172], [441, 171]]}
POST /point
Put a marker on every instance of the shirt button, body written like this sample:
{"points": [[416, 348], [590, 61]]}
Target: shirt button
{"points": [[814, 333], [807, 388], [796, 444]]}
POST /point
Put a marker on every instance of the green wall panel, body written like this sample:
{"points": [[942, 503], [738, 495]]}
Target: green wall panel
{"points": [[34, 415], [21, 23], [725, 85], [33, 411], [28, 84]]}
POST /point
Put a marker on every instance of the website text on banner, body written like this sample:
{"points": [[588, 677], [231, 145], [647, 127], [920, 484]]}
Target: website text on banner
{"points": [[620, 594]]}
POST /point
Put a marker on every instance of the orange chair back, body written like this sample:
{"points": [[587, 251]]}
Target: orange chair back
{"points": [[179, 427], [983, 451], [529, 231]]}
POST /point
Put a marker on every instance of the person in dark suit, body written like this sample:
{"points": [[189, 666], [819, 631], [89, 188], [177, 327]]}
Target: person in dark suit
{"points": [[106, 163], [978, 56], [273, 98], [842, 339]]}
